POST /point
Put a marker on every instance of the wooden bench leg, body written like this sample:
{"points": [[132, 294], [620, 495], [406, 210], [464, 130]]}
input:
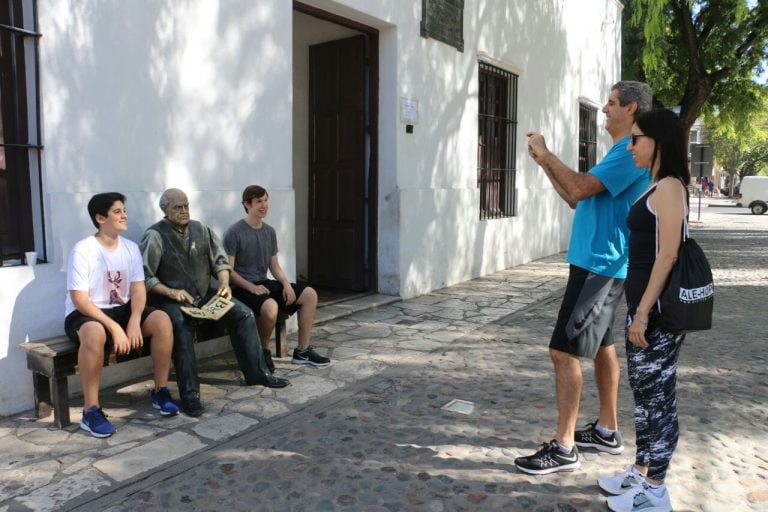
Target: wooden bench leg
{"points": [[51, 394], [60, 394], [43, 402]]}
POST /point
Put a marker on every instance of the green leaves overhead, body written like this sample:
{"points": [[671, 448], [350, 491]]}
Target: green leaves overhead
{"points": [[702, 55]]}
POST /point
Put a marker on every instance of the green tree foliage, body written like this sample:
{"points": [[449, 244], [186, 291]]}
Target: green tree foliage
{"points": [[741, 148], [702, 55]]}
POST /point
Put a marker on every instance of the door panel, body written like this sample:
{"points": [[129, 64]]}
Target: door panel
{"points": [[337, 222]]}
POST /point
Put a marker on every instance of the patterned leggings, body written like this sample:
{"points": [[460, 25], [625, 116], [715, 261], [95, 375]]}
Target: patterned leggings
{"points": [[653, 378]]}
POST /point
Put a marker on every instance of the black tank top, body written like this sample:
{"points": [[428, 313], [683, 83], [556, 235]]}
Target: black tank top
{"points": [[642, 250]]}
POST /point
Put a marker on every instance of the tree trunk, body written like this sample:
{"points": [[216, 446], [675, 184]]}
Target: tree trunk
{"points": [[699, 85]]}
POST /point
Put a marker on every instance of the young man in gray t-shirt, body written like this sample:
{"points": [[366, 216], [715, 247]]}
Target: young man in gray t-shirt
{"points": [[251, 245]]}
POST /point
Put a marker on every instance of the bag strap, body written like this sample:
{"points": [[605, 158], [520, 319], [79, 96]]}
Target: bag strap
{"points": [[655, 216], [685, 231]]}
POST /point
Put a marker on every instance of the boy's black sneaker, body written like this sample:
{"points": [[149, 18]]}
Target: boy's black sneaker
{"points": [[310, 357], [549, 459], [591, 438]]}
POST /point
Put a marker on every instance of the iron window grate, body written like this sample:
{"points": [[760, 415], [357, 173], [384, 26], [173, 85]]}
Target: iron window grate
{"points": [[21, 210], [496, 149], [587, 137]]}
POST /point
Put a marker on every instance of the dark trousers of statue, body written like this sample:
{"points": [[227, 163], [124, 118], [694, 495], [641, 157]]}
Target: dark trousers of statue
{"points": [[243, 335]]}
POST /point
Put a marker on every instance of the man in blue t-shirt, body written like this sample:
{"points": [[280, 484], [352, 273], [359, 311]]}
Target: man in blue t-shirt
{"points": [[597, 256]]}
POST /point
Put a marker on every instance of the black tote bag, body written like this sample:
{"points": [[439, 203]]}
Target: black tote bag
{"points": [[688, 299]]}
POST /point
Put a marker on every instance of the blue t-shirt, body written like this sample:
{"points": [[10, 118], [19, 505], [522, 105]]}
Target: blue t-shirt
{"points": [[599, 236]]}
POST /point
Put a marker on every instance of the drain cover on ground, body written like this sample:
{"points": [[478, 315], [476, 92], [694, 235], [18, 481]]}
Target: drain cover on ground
{"points": [[460, 406]]}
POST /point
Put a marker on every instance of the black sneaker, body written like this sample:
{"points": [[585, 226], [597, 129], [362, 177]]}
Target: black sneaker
{"points": [[191, 405], [591, 438], [268, 360], [549, 459], [310, 357]]}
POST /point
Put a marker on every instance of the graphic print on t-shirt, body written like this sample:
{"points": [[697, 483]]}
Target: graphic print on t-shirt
{"points": [[116, 286]]}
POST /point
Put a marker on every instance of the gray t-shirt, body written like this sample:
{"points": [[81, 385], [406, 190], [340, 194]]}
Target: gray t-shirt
{"points": [[252, 249]]}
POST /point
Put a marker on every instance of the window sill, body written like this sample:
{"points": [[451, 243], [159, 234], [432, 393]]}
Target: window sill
{"points": [[19, 264]]}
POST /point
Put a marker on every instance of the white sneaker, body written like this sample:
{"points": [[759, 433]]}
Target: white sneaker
{"points": [[640, 499], [621, 482]]}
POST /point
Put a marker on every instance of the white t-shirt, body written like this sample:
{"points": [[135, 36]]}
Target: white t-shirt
{"points": [[106, 275]]}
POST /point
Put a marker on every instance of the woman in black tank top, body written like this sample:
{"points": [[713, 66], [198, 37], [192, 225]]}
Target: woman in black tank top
{"points": [[655, 222]]}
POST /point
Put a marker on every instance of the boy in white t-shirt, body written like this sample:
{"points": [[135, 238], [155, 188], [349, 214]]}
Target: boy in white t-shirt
{"points": [[106, 309]]}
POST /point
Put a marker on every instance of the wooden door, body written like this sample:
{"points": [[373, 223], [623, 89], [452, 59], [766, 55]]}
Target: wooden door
{"points": [[337, 172]]}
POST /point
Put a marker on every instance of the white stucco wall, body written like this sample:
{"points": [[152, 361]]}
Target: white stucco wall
{"points": [[429, 232], [197, 94], [138, 97]]}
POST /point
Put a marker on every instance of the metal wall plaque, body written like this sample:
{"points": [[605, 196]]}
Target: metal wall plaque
{"points": [[443, 20]]}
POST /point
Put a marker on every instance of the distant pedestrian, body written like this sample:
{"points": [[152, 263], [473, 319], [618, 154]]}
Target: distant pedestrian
{"points": [[711, 188], [704, 185], [655, 222], [598, 264]]}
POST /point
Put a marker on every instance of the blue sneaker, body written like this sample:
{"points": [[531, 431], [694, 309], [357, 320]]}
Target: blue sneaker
{"points": [[96, 422], [161, 400]]}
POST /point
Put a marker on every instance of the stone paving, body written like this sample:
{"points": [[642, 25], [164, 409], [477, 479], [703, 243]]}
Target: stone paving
{"points": [[372, 431]]}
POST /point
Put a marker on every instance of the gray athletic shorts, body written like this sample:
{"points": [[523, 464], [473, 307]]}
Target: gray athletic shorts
{"points": [[587, 313]]}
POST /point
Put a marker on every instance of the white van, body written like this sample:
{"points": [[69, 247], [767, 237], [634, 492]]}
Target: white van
{"points": [[753, 193]]}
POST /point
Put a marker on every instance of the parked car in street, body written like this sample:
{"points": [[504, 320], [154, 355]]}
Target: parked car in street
{"points": [[753, 193]]}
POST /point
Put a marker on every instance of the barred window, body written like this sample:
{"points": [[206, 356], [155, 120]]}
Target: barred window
{"points": [[20, 187], [587, 137], [497, 128]]}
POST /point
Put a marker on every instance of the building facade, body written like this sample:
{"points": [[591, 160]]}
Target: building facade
{"points": [[390, 134]]}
